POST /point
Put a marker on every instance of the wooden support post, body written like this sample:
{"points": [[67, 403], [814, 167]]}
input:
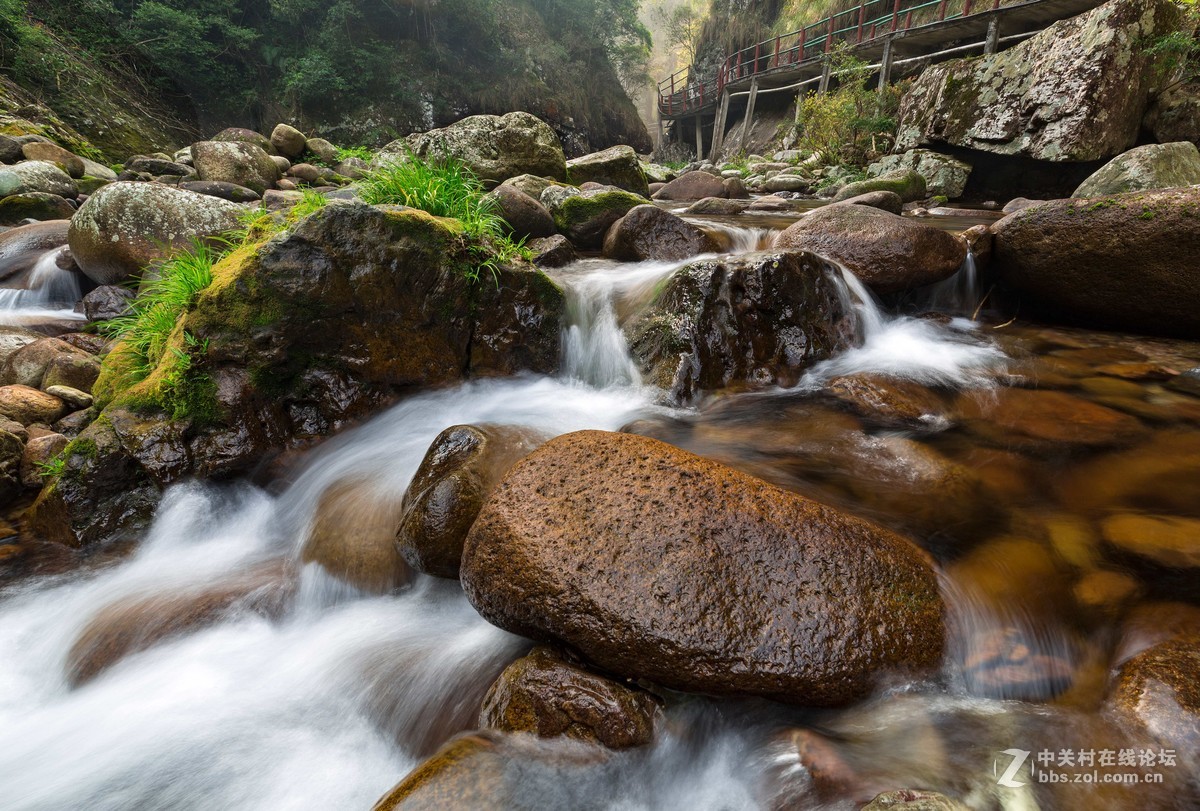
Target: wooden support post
{"points": [[829, 37], [699, 138], [749, 119], [942, 11], [966, 12], [885, 66], [718, 139], [659, 142], [823, 86], [992, 43], [895, 15], [862, 18]]}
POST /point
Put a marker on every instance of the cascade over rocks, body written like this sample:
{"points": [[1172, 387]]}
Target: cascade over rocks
{"points": [[649, 232], [348, 309], [1076, 91], [657, 564], [352, 537], [1124, 261], [1154, 166], [616, 166], [126, 226], [495, 148], [886, 252], [758, 318]]}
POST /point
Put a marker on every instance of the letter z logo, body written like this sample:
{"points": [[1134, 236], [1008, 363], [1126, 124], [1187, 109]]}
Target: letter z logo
{"points": [[1019, 756]]}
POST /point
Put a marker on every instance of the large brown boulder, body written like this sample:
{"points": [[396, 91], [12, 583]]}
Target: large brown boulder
{"points": [[694, 185], [886, 252], [460, 470], [616, 166], [243, 164], [550, 696], [1153, 166], [1012, 102], [758, 318], [126, 226], [649, 232], [1118, 262], [660, 565], [525, 216], [28, 405]]}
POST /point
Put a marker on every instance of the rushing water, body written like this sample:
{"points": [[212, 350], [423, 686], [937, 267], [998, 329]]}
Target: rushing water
{"points": [[50, 294], [328, 697]]}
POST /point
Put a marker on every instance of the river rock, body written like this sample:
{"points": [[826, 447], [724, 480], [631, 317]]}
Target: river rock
{"points": [[43, 177], [546, 694], [695, 185], [27, 405], [906, 183], [883, 200], [288, 141], [494, 148], [1175, 114], [74, 398], [943, 174], [758, 318], [241, 135], [226, 191], [353, 534], [28, 366], [1165, 540], [585, 217], [717, 205], [460, 470], [891, 403], [1153, 166], [1152, 623], [53, 153], [107, 302], [527, 218], [1157, 690], [914, 800], [126, 226], [616, 166], [19, 208], [138, 622], [159, 166], [532, 184], [236, 162], [657, 564], [38, 452], [649, 232], [1108, 262], [788, 183], [1045, 420], [886, 252], [13, 339], [12, 453], [1012, 102], [553, 252]]}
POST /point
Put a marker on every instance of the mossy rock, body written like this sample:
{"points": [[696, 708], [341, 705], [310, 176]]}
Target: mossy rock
{"points": [[907, 183], [586, 217]]}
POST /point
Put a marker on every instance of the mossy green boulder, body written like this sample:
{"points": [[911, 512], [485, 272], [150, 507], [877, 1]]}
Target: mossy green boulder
{"points": [[907, 183], [585, 217], [1153, 166]]}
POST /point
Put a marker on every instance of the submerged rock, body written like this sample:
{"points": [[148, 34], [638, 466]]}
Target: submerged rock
{"points": [[1154, 166], [660, 565], [758, 318], [353, 537], [125, 226], [886, 252], [494, 148], [648, 232], [460, 470], [546, 694], [1013, 102], [1112, 262]]}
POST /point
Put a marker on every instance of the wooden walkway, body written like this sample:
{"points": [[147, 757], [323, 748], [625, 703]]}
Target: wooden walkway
{"points": [[881, 32]]}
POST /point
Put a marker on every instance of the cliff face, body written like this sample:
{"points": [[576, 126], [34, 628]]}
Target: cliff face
{"points": [[134, 75]]}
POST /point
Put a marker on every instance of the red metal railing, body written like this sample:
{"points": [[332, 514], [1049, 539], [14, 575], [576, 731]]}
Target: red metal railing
{"points": [[681, 94]]}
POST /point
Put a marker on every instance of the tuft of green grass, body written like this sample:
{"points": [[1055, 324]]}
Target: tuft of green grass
{"points": [[447, 188], [144, 330]]}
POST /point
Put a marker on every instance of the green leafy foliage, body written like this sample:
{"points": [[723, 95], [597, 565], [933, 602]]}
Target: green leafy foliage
{"points": [[1177, 54], [852, 124]]}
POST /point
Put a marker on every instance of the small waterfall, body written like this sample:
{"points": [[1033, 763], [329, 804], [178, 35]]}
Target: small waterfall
{"points": [[929, 352], [737, 239], [51, 292], [958, 295], [595, 351]]}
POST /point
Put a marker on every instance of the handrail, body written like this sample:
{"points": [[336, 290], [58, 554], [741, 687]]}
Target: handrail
{"points": [[681, 94]]}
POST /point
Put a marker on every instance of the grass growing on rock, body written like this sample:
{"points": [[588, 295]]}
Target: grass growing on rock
{"points": [[447, 188]]}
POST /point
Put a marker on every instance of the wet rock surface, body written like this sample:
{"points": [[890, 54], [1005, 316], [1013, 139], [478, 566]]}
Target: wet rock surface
{"points": [[637, 554], [648, 232], [757, 318]]}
